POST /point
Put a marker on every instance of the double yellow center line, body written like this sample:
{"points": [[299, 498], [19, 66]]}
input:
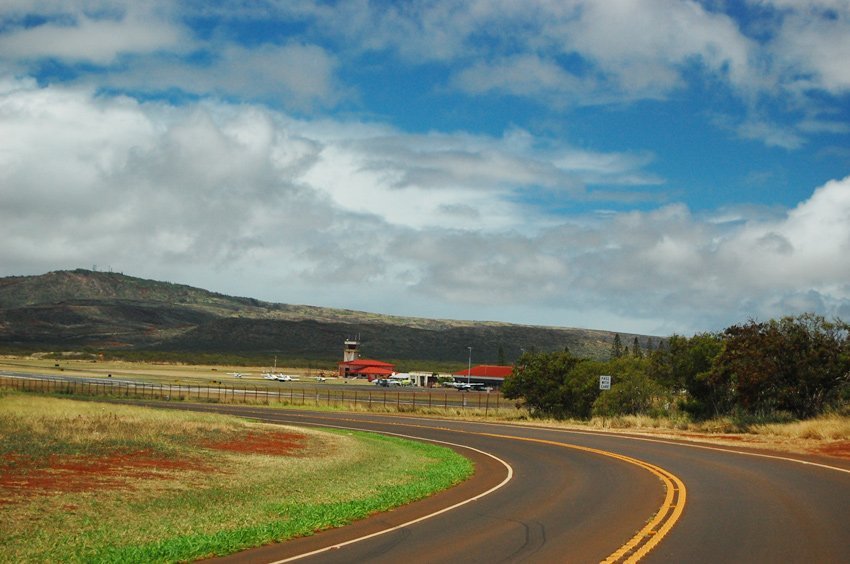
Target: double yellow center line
{"points": [[662, 522], [644, 540]]}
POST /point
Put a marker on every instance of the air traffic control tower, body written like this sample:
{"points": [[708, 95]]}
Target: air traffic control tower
{"points": [[351, 351]]}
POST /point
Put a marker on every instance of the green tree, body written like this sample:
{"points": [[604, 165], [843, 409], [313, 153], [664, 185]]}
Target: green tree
{"points": [[616, 346], [682, 365], [547, 384], [816, 363], [797, 365], [632, 390], [636, 350]]}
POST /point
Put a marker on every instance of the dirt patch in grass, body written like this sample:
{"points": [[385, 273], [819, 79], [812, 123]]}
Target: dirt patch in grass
{"points": [[275, 443], [776, 443], [733, 438], [840, 449], [837, 449], [22, 477]]}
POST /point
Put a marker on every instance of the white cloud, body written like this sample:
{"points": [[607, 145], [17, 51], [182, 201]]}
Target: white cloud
{"points": [[803, 250], [242, 199], [629, 49], [561, 54], [98, 41], [771, 134], [295, 76], [146, 49], [755, 268], [524, 75], [643, 45], [812, 44]]}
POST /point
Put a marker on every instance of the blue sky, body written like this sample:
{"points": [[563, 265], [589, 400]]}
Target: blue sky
{"points": [[640, 166]]}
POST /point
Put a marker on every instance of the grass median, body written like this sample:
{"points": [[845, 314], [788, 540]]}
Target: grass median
{"points": [[95, 482]]}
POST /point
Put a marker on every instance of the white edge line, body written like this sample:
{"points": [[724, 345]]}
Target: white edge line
{"points": [[730, 450], [682, 443], [414, 521]]}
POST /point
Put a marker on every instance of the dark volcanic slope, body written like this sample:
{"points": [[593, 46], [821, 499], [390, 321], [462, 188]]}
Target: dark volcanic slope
{"points": [[107, 323], [85, 285], [312, 339], [99, 309]]}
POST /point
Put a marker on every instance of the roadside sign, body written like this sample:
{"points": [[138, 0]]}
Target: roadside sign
{"points": [[605, 382]]}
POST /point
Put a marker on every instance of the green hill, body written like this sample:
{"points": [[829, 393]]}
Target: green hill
{"points": [[78, 309]]}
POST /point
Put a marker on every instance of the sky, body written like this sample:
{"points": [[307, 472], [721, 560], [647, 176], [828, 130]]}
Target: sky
{"points": [[646, 166]]}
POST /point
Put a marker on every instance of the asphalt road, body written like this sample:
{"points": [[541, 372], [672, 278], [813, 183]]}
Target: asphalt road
{"points": [[583, 496]]}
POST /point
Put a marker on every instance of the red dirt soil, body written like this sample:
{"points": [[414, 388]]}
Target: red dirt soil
{"points": [[840, 449], [276, 443], [22, 477]]}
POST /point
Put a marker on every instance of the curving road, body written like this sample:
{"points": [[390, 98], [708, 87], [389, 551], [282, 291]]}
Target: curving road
{"points": [[583, 497], [545, 495]]}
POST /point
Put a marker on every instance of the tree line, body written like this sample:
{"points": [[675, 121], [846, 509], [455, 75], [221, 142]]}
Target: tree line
{"points": [[794, 367]]}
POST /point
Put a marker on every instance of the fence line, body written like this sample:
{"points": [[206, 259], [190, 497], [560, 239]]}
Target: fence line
{"points": [[482, 403]]}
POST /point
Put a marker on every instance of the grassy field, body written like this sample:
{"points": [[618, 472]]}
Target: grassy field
{"points": [[155, 373], [94, 482]]}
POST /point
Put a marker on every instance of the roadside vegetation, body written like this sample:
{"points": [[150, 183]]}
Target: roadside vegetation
{"points": [[96, 482], [750, 377]]}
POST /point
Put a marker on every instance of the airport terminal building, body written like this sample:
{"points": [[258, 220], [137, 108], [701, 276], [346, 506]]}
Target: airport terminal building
{"points": [[488, 374]]}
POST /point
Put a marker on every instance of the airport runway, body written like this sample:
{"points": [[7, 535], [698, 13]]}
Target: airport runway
{"points": [[583, 497]]}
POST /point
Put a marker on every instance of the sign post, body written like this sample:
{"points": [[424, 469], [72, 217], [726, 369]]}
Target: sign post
{"points": [[604, 385]]}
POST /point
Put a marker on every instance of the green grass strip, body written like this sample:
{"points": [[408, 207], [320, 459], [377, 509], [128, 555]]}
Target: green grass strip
{"points": [[445, 469]]}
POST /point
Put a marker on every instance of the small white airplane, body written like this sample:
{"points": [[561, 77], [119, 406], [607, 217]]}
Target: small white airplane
{"points": [[464, 387], [237, 374], [279, 377], [286, 378]]}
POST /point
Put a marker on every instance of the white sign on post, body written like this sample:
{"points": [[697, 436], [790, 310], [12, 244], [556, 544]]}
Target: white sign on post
{"points": [[605, 382]]}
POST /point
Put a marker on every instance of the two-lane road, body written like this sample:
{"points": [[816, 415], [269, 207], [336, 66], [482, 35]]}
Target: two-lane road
{"points": [[578, 497]]}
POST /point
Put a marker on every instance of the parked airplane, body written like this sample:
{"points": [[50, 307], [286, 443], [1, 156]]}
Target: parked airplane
{"points": [[394, 380], [287, 378], [464, 387], [279, 377], [237, 374]]}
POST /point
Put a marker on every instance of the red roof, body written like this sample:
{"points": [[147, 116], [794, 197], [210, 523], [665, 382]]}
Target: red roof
{"points": [[487, 371], [373, 371], [366, 367], [365, 362]]}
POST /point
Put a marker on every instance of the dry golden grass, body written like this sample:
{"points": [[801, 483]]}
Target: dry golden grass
{"points": [[827, 434], [826, 427], [39, 425]]}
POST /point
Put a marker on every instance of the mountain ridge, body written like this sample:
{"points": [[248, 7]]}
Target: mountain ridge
{"points": [[85, 308]]}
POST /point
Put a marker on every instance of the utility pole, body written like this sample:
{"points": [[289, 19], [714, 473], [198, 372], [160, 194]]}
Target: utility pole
{"points": [[469, 366]]}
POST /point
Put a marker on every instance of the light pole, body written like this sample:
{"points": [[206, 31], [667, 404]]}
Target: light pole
{"points": [[469, 366]]}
